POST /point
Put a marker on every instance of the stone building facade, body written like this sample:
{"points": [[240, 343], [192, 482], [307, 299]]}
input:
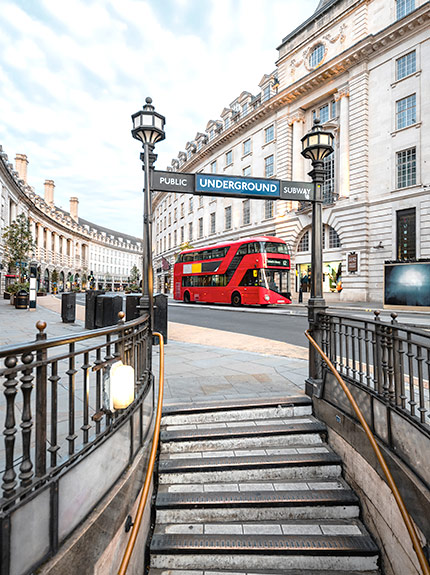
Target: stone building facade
{"points": [[363, 68], [81, 253]]}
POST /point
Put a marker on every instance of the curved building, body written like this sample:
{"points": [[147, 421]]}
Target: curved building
{"points": [[69, 251], [363, 68]]}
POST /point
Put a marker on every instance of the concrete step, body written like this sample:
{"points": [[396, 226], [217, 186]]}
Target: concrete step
{"points": [[209, 551], [256, 506], [236, 410], [249, 433], [256, 572], [337, 483], [251, 468]]}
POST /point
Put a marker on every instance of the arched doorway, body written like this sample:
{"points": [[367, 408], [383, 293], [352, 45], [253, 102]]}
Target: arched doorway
{"points": [[46, 278]]}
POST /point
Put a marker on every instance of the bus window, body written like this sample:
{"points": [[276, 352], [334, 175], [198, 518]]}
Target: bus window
{"points": [[275, 248], [243, 250], [254, 248]]}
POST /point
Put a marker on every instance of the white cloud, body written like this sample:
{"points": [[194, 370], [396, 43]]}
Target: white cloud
{"points": [[73, 73]]}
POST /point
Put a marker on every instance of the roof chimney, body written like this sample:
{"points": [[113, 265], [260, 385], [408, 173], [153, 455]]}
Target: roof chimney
{"points": [[21, 164], [49, 192], [74, 208]]}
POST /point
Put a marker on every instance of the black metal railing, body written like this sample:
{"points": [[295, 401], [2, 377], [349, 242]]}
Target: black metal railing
{"points": [[55, 400], [389, 360]]}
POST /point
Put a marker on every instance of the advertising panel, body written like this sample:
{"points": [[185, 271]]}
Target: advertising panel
{"points": [[407, 285]]}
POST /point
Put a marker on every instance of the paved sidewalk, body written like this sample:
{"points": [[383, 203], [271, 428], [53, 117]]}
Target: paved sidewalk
{"points": [[200, 364]]}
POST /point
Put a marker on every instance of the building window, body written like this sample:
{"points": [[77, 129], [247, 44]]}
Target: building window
{"points": [[227, 123], [269, 134], [200, 201], [182, 210], [245, 109], [175, 237], [266, 93], [190, 231], [200, 227], [304, 243], [328, 188], [268, 209], [333, 109], [406, 168], [324, 114], [406, 112], [406, 65], [229, 158], [269, 166], [246, 171], [182, 235], [316, 56], [246, 215], [213, 222], [170, 241], [247, 146], [213, 167], [333, 238], [190, 206], [406, 234], [175, 215], [227, 218], [404, 7]]}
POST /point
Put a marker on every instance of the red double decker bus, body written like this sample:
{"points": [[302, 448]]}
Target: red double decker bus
{"points": [[252, 271]]}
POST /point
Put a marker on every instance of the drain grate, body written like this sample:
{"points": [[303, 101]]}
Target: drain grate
{"points": [[231, 463], [256, 498], [261, 544]]}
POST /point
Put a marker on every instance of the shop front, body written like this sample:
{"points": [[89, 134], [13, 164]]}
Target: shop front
{"points": [[332, 277]]}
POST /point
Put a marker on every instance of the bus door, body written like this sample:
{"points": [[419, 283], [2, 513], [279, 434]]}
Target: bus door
{"points": [[250, 287]]}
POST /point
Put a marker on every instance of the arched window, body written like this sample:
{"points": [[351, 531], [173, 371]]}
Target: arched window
{"points": [[316, 55], [304, 243]]}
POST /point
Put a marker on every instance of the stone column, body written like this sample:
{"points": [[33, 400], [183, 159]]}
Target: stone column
{"points": [[342, 101]]}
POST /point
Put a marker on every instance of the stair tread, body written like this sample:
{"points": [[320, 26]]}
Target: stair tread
{"points": [[231, 404], [255, 572], [315, 545], [167, 500], [203, 464], [244, 430]]}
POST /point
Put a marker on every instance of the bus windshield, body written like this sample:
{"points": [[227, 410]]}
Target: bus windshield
{"points": [[275, 280]]}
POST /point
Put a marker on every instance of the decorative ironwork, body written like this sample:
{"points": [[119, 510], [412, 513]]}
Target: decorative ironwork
{"points": [[67, 402]]}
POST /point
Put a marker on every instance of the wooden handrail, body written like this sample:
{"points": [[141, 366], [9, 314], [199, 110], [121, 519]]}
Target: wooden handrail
{"points": [[390, 480], [148, 478]]}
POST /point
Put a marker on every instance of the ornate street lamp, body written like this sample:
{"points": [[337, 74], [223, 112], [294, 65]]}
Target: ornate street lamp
{"points": [[316, 145], [148, 128]]}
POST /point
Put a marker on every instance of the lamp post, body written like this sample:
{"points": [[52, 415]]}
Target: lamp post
{"points": [[148, 127], [316, 145]]}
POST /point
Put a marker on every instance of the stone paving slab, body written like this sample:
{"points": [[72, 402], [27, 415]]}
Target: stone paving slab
{"points": [[200, 363]]}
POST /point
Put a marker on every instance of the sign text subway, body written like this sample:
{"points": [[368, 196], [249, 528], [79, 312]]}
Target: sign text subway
{"points": [[234, 186]]}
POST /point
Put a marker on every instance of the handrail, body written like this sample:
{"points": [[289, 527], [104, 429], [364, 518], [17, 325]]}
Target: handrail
{"points": [[390, 480], [148, 478]]}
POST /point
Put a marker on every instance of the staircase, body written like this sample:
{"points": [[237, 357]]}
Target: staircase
{"points": [[254, 490]]}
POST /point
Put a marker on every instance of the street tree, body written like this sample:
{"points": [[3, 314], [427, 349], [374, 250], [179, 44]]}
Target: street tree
{"points": [[134, 275], [18, 244]]}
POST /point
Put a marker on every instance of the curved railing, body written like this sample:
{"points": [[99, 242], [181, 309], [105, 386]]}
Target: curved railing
{"points": [[390, 480], [150, 469]]}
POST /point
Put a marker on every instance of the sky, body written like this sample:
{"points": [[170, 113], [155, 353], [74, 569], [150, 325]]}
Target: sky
{"points": [[73, 71]]}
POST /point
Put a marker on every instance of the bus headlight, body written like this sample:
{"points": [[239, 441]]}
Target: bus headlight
{"points": [[267, 297]]}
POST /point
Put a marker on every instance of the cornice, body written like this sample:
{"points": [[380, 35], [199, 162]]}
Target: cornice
{"points": [[359, 52]]}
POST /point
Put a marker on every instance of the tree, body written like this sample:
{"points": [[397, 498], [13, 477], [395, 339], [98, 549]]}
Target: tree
{"points": [[18, 243], [134, 275]]}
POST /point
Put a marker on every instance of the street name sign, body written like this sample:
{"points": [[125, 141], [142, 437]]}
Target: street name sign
{"points": [[231, 186]]}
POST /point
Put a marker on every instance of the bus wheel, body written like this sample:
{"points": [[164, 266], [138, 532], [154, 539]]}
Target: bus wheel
{"points": [[235, 299], [187, 297]]}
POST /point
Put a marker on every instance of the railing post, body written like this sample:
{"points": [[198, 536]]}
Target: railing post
{"points": [[9, 477], [377, 355], [41, 403], [316, 308]]}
